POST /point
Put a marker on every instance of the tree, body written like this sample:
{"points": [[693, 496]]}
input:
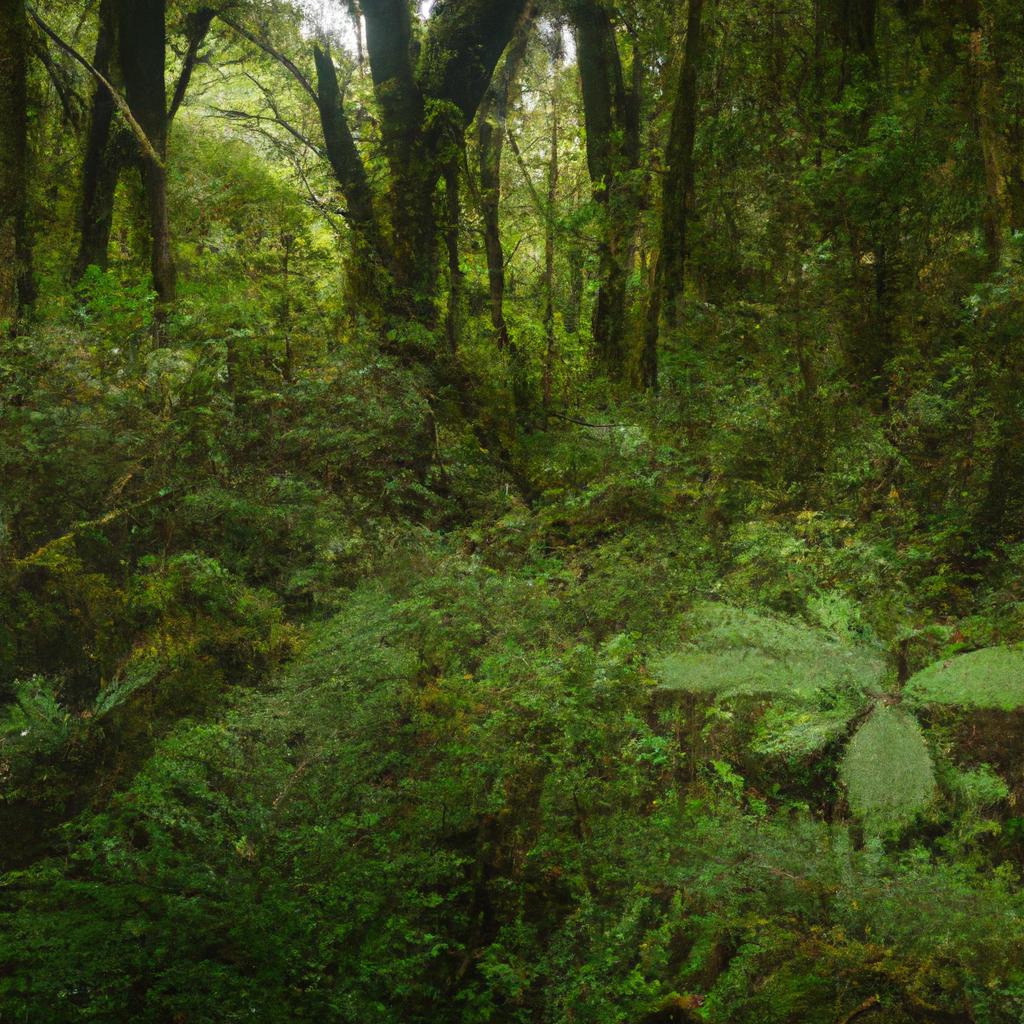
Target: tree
{"points": [[17, 288], [130, 55], [612, 117], [666, 298], [142, 42], [492, 119]]}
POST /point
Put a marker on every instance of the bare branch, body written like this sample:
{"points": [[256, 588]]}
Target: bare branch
{"points": [[283, 59]]}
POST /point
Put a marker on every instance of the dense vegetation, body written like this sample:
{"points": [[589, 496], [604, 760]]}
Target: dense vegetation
{"points": [[512, 511]]}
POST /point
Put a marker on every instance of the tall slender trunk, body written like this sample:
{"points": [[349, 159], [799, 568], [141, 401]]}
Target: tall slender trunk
{"points": [[287, 244], [17, 287], [667, 293], [985, 89], [453, 215], [549, 258], [108, 148], [491, 122]]}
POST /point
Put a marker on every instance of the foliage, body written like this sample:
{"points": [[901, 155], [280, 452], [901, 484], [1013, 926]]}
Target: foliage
{"points": [[989, 678], [887, 770], [740, 652], [361, 660]]}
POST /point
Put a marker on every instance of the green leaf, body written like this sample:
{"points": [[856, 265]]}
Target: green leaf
{"points": [[737, 652], [888, 771], [990, 678], [786, 731]]}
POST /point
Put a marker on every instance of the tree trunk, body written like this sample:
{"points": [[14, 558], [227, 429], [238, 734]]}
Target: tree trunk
{"points": [[667, 293], [491, 121], [142, 48], [453, 315], [106, 150], [445, 76], [17, 287], [549, 259], [985, 87], [612, 123]]}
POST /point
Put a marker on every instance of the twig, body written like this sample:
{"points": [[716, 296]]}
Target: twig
{"points": [[285, 61]]}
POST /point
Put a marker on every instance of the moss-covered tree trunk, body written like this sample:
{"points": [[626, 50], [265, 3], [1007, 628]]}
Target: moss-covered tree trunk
{"points": [[427, 92], [666, 298], [142, 47], [17, 289], [612, 123]]}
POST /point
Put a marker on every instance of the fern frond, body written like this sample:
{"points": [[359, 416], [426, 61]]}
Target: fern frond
{"points": [[989, 678], [737, 652], [888, 771]]}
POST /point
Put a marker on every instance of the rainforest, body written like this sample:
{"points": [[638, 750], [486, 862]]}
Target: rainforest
{"points": [[512, 511]]}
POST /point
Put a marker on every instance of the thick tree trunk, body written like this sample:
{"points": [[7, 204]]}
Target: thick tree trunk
{"points": [[142, 51], [613, 153], [666, 299], [855, 22], [17, 288]]}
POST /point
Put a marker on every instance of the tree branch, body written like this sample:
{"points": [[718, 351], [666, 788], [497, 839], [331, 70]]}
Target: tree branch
{"points": [[122, 104], [464, 42], [286, 62], [197, 26]]}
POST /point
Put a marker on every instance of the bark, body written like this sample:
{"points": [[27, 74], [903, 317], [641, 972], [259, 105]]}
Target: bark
{"points": [[142, 50], [414, 171], [453, 317], [491, 122], [549, 259], [613, 153], [986, 96], [17, 289], [669, 276], [344, 158], [106, 150]]}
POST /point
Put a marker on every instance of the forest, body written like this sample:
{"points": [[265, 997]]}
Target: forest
{"points": [[512, 511]]}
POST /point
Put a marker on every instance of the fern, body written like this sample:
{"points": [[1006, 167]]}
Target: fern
{"points": [[990, 678], [800, 731], [888, 771], [739, 653]]}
